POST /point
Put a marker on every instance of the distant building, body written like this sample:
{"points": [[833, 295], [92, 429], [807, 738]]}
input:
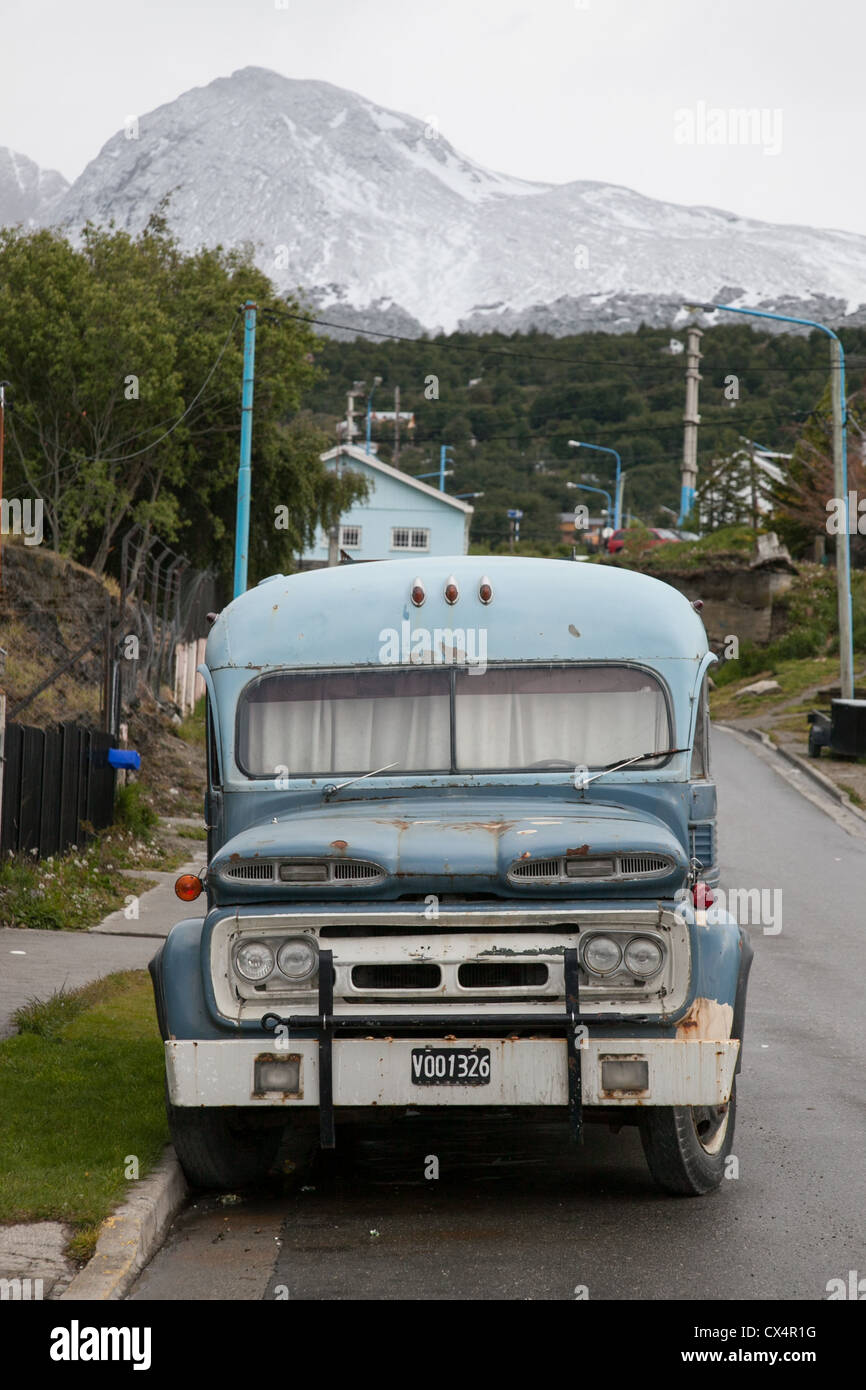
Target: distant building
{"points": [[739, 489], [401, 516]]}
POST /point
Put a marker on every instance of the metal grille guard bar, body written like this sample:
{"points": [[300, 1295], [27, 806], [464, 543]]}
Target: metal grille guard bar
{"points": [[325, 1024]]}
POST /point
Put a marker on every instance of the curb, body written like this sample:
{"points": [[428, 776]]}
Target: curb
{"points": [[132, 1235], [825, 783]]}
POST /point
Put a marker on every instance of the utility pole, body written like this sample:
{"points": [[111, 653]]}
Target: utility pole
{"points": [[691, 420], [242, 523], [334, 531], [396, 426], [3, 385], [843, 543], [356, 390]]}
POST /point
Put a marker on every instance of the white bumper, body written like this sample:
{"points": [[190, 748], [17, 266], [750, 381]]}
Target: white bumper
{"points": [[524, 1071]]}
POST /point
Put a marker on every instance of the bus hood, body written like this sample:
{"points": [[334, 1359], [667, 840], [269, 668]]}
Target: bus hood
{"points": [[384, 849]]}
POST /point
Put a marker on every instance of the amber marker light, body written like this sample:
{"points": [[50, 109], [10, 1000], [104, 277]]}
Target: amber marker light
{"points": [[188, 887]]}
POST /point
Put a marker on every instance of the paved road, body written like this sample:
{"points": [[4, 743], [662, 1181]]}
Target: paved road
{"points": [[530, 1221]]}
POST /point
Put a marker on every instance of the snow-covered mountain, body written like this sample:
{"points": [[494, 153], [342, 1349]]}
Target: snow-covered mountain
{"points": [[379, 220], [28, 194]]}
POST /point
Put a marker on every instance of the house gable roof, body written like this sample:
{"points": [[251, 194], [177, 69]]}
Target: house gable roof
{"points": [[351, 451]]}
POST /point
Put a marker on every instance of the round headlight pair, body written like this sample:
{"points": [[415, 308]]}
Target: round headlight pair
{"points": [[297, 959], [642, 957]]}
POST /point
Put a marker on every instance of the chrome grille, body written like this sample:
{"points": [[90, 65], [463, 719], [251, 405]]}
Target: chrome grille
{"points": [[345, 869], [643, 864], [539, 868], [254, 870], [703, 844], [608, 866]]}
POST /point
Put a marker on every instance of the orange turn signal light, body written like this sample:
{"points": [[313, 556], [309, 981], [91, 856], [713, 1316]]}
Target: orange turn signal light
{"points": [[188, 887]]}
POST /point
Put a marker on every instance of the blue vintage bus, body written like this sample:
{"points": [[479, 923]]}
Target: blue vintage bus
{"points": [[461, 844]]}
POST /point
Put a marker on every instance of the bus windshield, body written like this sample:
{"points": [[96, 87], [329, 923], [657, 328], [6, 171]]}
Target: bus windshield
{"points": [[449, 719]]}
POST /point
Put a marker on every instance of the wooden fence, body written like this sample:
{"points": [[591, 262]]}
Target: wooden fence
{"points": [[58, 788]]}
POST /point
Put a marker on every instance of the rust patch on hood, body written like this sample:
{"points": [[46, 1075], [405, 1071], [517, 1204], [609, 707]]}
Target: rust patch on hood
{"points": [[581, 849], [573, 630], [707, 1019], [339, 844]]}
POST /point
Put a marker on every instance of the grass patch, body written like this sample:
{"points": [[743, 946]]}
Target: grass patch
{"points": [[853, 793], [81, 1091], [131, 811], [794, 676], [729, 546], [69, 893], [188, 832], [192, 728]]}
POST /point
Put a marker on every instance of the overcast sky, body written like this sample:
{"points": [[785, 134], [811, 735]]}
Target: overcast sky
{"points": [[553, 90]]}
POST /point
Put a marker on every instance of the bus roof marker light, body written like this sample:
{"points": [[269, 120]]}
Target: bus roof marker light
{"points": [[417, 593], [452, 593], [485, 590]]}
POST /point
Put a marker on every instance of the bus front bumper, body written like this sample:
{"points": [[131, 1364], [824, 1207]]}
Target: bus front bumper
{"points": [[381, 1071]]}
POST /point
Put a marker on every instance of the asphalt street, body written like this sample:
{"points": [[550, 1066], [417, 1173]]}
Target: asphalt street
{"points": [[519, 1215]]}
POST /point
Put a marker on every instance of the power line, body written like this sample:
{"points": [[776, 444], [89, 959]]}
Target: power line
{"points": [[535, 356], [125, 458]]}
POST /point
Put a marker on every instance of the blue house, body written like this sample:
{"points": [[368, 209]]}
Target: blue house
{"points": [[400, 517]]}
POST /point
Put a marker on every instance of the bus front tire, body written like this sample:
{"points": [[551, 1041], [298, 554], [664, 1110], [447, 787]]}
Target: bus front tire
{"points": [[687, 1147], [223, 1149]]}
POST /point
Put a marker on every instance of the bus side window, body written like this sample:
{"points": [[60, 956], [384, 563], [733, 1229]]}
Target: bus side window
{"points": [[701, 751], [210, 738]]}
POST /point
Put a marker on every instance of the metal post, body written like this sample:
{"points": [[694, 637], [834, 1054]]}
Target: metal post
{"points": [[242, 524], [604, 449], [334, 531], [3, 385], [396, 459], [376, 382], [843, 543], [691, 420]]}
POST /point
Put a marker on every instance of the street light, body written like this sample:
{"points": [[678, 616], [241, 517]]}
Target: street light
{"points": [[377, 381], [603, 449], [840, 478], [584, 487]]}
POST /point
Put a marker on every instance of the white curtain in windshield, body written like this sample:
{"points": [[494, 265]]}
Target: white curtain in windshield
{"points": [[346, 724], [591, 717]]}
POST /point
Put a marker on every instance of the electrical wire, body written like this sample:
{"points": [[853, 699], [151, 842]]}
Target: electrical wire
{"points": [[125, 458], [534, 356]]}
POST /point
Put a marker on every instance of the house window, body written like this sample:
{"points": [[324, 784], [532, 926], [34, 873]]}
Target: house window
{"points": [[410, 538], [350, 537]]}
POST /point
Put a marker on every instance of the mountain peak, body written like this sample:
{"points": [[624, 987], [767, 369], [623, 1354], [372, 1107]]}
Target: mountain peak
{"points": [[360, 207]]}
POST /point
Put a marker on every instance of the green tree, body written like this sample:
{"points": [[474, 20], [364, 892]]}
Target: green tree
{"points": [[125, 358]]}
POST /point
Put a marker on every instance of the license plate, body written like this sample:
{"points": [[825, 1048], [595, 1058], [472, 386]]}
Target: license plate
{"points": [[451, 1066]]}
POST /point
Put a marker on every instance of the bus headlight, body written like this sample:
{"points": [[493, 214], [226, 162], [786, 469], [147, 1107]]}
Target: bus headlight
{"points": [[643, 957], [298, 958], [602, 955], [254, 960]]}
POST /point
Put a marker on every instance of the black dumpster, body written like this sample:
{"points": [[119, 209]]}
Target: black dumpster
{"points": [[843, 731]]}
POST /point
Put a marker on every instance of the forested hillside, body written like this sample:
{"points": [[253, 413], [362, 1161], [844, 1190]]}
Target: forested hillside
{"points": [[507, 405]]}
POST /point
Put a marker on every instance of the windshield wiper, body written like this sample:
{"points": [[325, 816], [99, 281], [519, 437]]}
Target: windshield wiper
{"points": [[333, 787], [639, 758]]}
